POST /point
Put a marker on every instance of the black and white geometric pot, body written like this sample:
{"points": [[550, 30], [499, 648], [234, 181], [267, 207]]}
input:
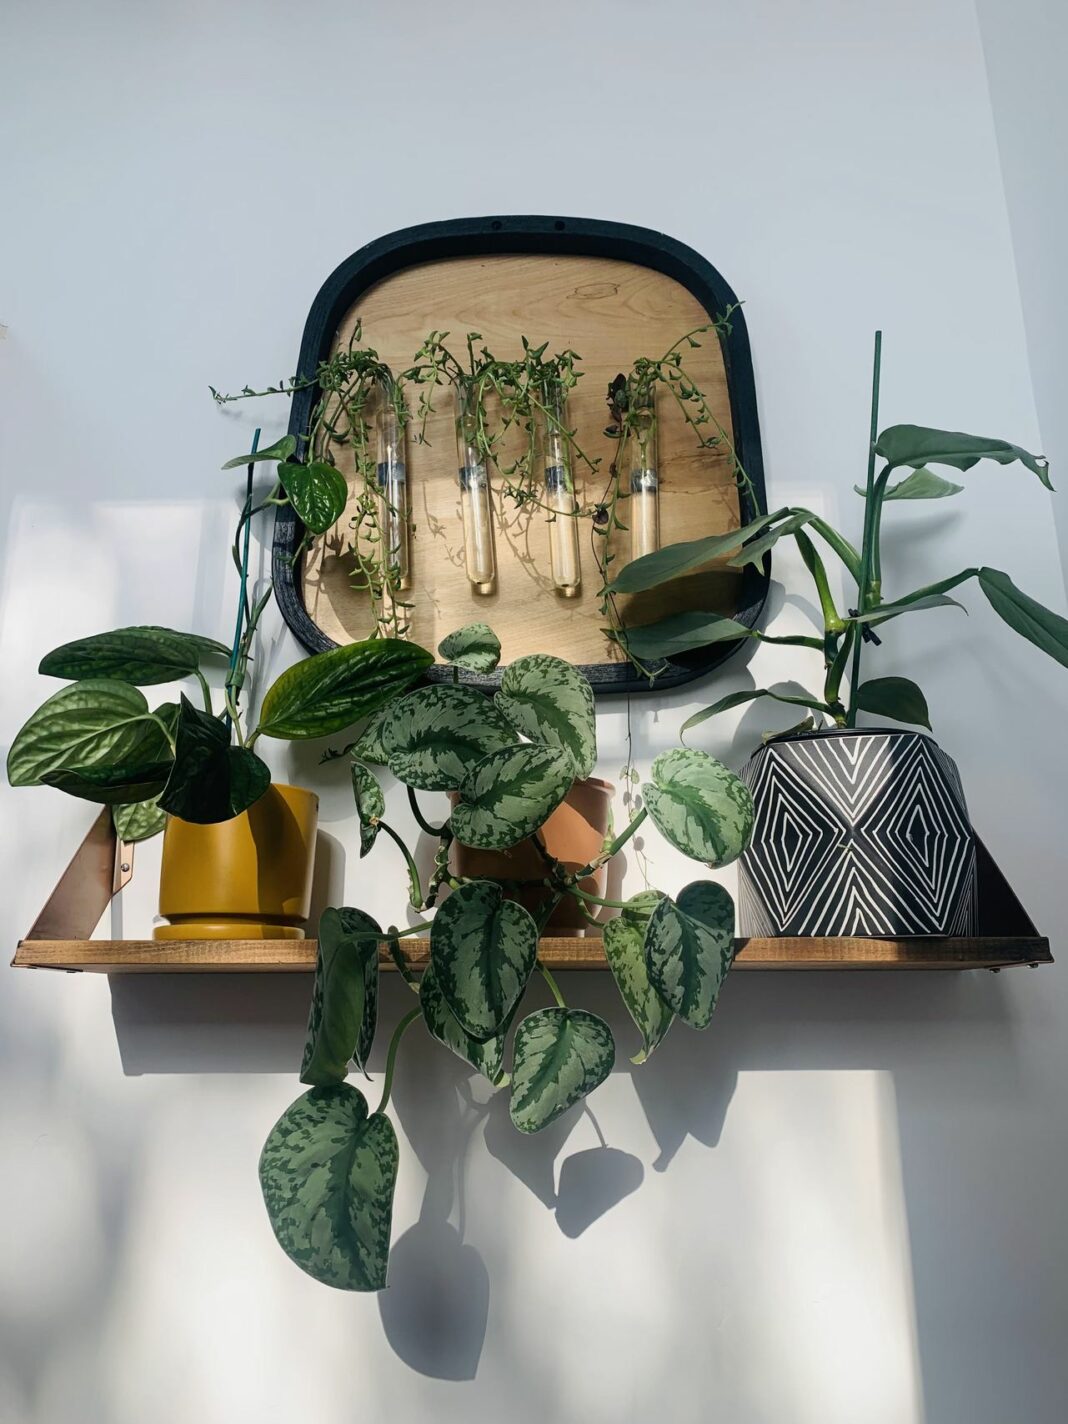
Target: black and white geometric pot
{"points": [[858, 832]]}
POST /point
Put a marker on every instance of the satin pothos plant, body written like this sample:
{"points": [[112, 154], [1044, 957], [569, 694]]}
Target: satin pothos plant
{"points": [[899, 468], [329, 1165]]}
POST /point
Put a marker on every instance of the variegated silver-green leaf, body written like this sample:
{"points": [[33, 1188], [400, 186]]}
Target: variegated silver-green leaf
{"points": [[487, 1057], [507, 795], [689, 946], [434, 737], [370, 804], [327, 1172], [550, 702], [560, 1055], [138, 821], [700, 806], [368, 745], [344, 1006], [475, 647], [624, 948], [483, 948]]}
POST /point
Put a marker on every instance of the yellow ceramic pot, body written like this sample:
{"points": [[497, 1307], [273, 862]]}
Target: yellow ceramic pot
{"points": [[248, 878]]}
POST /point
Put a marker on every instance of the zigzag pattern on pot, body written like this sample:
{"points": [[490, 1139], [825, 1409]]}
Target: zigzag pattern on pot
{"points": [[857, 835]]}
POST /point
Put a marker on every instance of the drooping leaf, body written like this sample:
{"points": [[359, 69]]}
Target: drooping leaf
{"points": [[483, 948], [699, 805], [510, 793], [339, 1007], [753, 552], [560, 1055], [921, 484], [370, 804], [679, 633], [1031, 619], [914, 603], [487, 1056], [210, 780], [317, 491], [895, 697], [140, 656], [368, 745], [673, 560], [918, 445], [138, 821], [434, 736], [356, 926], [736, 699], [689, 946], [475, 647], [96, 725], [624, 948], [328, 692], [280, 450], [549, 701], [328, 1171], [119, 785]]}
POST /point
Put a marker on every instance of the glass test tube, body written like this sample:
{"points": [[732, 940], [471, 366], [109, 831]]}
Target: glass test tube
{"points": [[395, 511], [643, 512], [560, 498], [476, 504]]}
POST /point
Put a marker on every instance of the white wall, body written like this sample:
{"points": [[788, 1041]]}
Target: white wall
{"points": [[841, 1204]]}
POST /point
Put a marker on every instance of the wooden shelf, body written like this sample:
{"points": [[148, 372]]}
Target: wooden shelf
{"points": [[270, 956]]}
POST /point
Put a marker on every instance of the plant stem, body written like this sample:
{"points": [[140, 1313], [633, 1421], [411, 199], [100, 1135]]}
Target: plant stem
{"points": [[869, 521], [553, 985], [397, 956], [242, 605], [609, 851], [206, 691], [391, 1056], [421, 821], [596, 899], [415, 884]]}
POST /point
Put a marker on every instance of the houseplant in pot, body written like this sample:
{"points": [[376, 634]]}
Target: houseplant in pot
{"points": [[237, 851], [329, 1165], [858, 830]]}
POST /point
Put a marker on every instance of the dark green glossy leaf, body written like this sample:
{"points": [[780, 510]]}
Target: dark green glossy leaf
{"points": [[138, 821], [560, 1055], [921, 484], [433, 737], [328, 692], [1031, 619], [487, 1056], [689, 946], [550, 702], [475, 647], [673, 560], [328, 1172], [509, 794], [340, 1011], [96, 725], [894, 697], [280, 450], [624, 948], [110, 785], [918, 445], [679, 633], [317, 491], [141, 656], [699, 805], [483, 949], [736, 699], [210, 780], [370, 804]]}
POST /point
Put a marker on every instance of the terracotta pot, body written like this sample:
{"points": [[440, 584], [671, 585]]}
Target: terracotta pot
{"points": [[248, 878], [574, 834]]}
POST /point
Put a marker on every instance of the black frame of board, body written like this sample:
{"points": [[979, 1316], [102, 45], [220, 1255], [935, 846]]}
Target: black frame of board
{"points": [[474, 237]]}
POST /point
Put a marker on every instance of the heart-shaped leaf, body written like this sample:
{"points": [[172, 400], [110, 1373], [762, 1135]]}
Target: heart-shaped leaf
{"points": [[328, 692], [370, 804], [341, 1022], [328, 1172], [560, 1055], [433, 737], [475, 647], [368, 745], [280, 450], [510, 793], [921, 484], [210, 780], [1025, 615], [141, 656], [96, 725], [895, 697], [699, 806], [689, 946], [550, 702], [317, 492], [624, 948], [918, 445], [487, 1057], [483, 949], [138, 821]]}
